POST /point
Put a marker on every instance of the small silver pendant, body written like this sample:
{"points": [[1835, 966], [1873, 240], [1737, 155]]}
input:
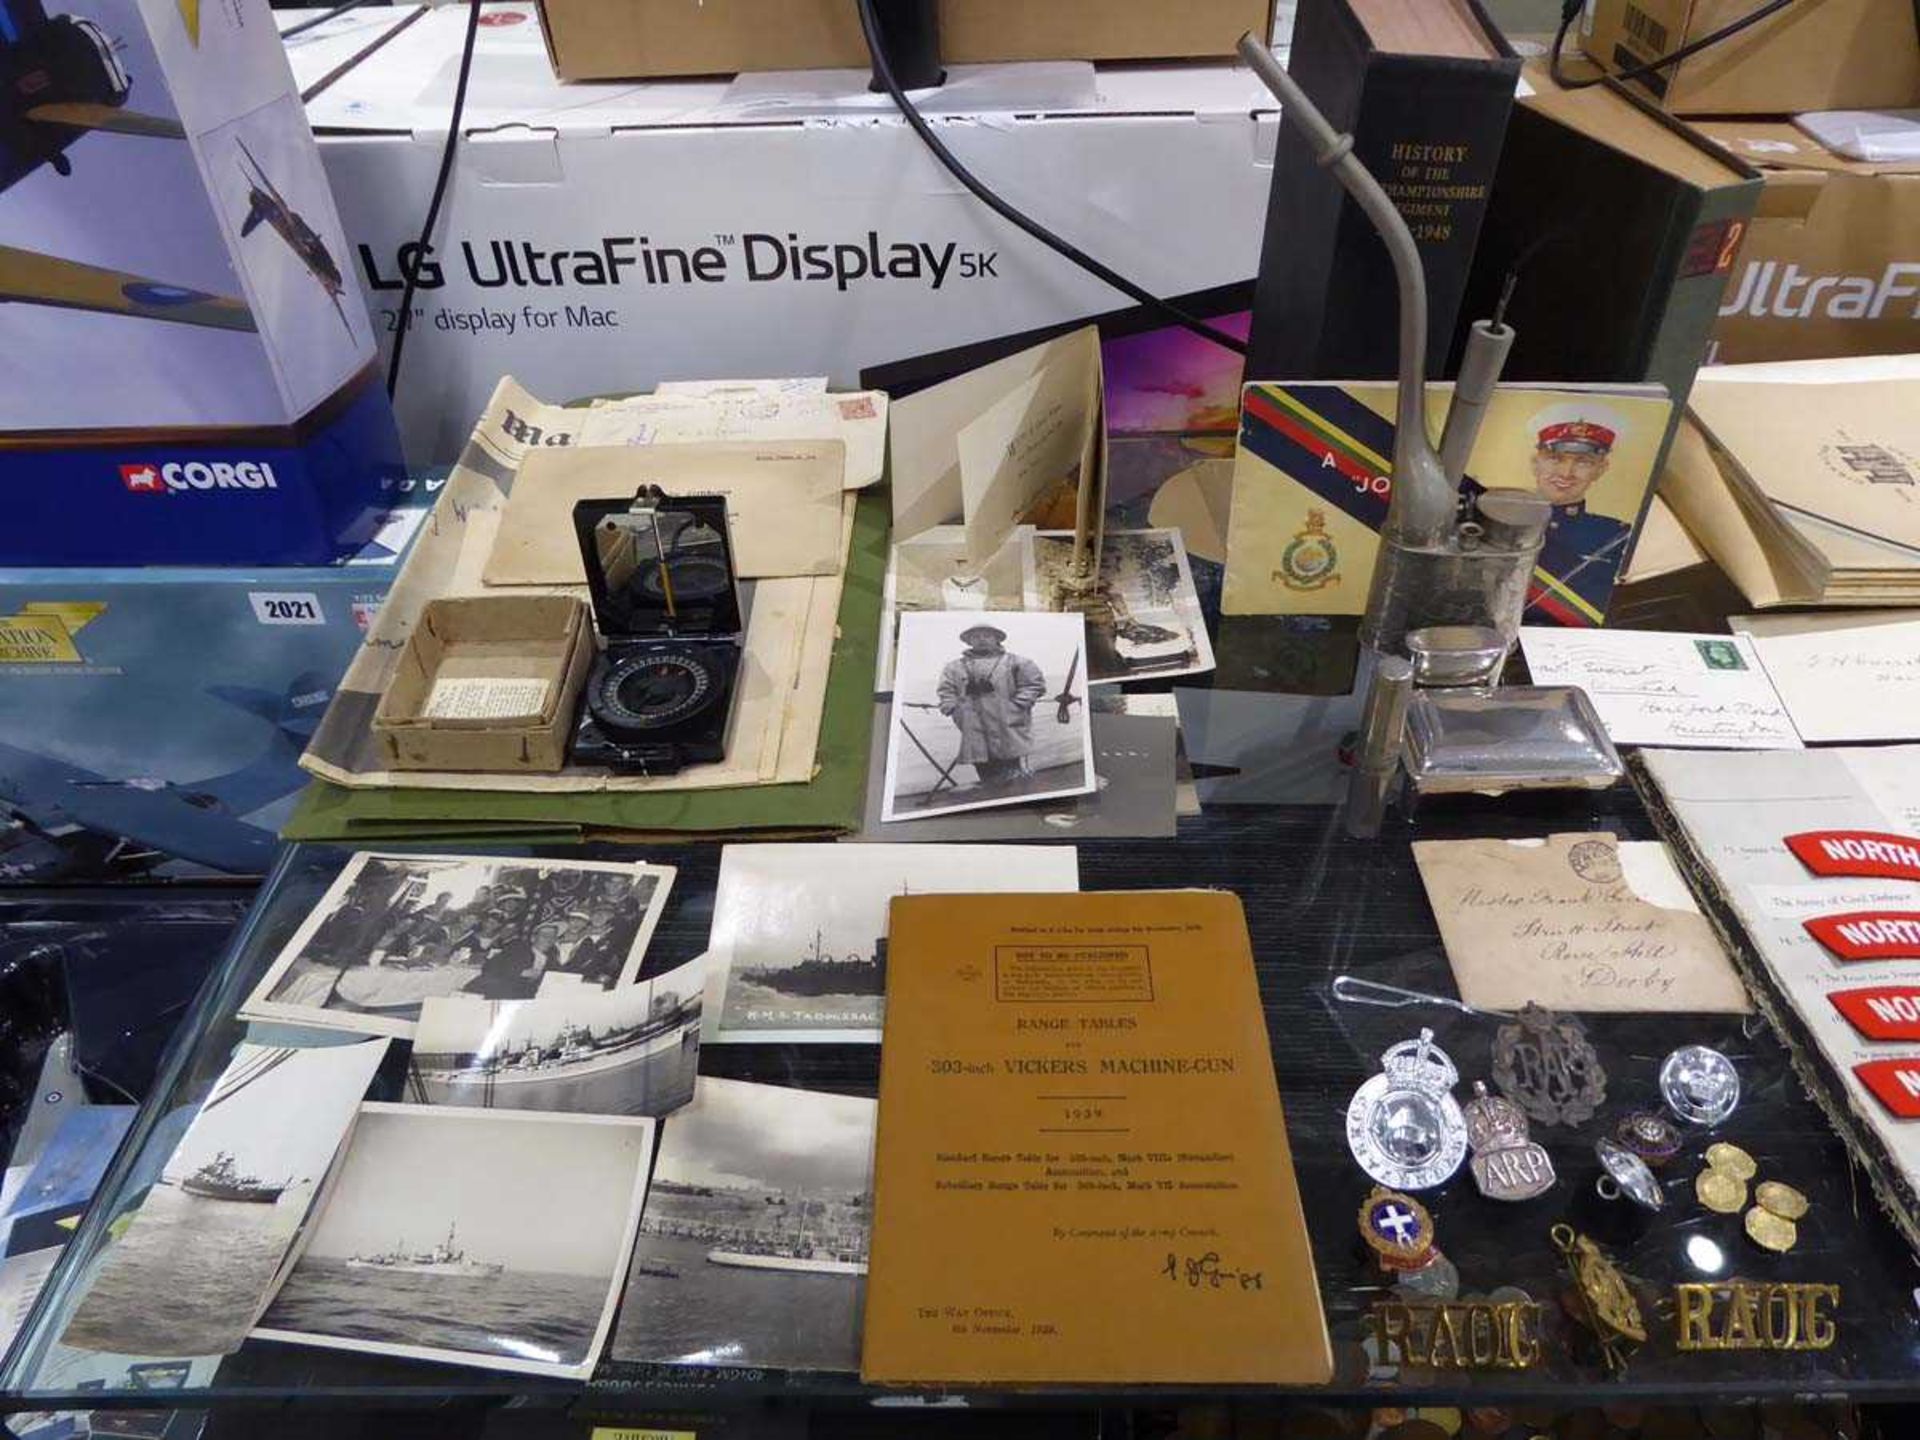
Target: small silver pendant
{"points": [[1699, 1084], [1628, 1175], [1506, 1164], [1404, 1127]]}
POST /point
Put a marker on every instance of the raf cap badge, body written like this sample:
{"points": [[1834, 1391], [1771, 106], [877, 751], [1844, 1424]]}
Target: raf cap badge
{"points": [[1605, 1299], [1544, 1063], [1506, 1164], [1403, 1126]]}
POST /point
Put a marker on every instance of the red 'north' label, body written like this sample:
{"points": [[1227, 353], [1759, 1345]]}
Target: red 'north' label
{"points": [[1894, 1083], [1881, 1012], [1869, 934], [1858, 852]]}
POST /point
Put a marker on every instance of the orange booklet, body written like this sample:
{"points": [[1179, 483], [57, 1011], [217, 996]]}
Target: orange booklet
{"points": [[1082, 1171]]}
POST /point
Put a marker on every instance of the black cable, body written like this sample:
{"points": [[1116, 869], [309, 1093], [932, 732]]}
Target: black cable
{"points": [[334, 14], [883, 67], [412, 271], [1571, 8]]}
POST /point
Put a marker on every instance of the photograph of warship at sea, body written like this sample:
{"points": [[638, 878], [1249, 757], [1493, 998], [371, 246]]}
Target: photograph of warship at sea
{"points": [[629, 1051], [192, 1265], [802, 929], [753, 1247], [479, 1237]]}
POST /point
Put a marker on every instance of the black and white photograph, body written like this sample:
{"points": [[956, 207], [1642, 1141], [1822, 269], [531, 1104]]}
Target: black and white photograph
{"points": [[799, 939], [199, 1256], [932, 571], [753, 1249], [989, 708], [632, 1050], [1144, 620], [395, 929], [1135, 796], [495, 1238]]}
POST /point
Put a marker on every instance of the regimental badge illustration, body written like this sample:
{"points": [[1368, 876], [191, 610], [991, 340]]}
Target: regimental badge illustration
{"points": [[1603, 1297], [1404, 1127], [1310, 561], [1397, 1228], [1506, 1164], [1870, 463], [1545, 1064]]}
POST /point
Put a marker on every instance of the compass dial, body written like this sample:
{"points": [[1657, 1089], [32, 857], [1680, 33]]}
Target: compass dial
{"points": [[651, 692], [695, 577]]}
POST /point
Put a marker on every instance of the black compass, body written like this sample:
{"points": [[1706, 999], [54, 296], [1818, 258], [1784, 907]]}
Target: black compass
{"points": [[650, 691], [667, 607], [695, 578]]}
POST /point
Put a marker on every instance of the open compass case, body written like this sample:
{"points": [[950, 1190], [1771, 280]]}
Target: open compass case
{"points": [[666, 602]]}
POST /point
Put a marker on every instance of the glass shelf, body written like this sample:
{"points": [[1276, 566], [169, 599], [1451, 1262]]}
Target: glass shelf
{"points": [[1319, 904]]}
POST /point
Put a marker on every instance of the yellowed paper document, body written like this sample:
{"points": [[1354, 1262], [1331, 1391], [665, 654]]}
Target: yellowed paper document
{"points": [[783, 504], [1575, 923]]}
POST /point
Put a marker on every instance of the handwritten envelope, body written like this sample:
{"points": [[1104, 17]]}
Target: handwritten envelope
{"points": [[1652, 688], [1861, 683], [1580, 922]]}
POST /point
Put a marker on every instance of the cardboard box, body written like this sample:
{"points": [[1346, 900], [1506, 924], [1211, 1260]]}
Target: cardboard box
{"points": [[190, 376], [152, 720], [639, 184], [1831, 260], [1816, 55], [488, 682], [323, 53], [593, 40]]}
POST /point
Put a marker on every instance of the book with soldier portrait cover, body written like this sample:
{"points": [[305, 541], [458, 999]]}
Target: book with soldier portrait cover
{"points": [[1312, 482]]}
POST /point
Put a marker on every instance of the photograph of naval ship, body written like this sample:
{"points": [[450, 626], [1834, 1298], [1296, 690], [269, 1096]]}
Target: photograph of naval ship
{"points": [[754, 1236], [628, 1051], [446, 1258], [220, 1179], [535, 1216], [800, 931], [818, 972]]}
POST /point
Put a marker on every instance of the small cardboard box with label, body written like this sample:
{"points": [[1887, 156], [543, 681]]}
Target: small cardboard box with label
{"points": [[191, 373], [487, 682], [151, 720], [1831, 260]]}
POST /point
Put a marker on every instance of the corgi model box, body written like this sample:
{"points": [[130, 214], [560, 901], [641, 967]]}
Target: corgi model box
{"points": [[189, 376]]}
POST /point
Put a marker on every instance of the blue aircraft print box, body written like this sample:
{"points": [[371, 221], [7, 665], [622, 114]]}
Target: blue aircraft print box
{"points": [[190, 377], [152, 720]]}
